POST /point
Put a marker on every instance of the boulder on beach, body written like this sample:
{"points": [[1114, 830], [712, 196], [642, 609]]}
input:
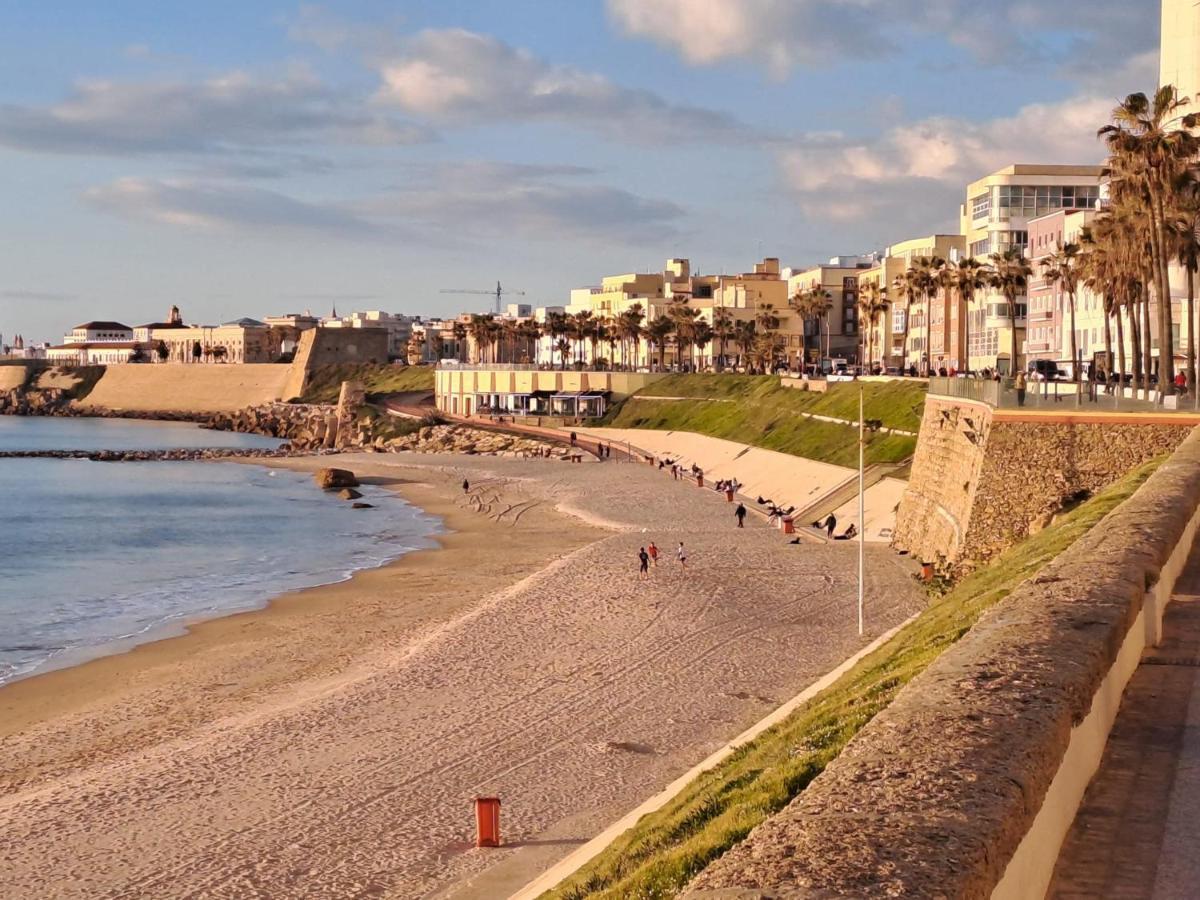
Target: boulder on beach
{"points": [[361, 506], [349, 494], [333, 479]]}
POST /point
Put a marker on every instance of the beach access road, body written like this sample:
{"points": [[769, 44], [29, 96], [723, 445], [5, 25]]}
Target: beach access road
{"points": [[332, 744]]}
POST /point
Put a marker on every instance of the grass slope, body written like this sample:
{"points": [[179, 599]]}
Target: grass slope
{"points": [[666, 849], [325, 382], [758, 410]]}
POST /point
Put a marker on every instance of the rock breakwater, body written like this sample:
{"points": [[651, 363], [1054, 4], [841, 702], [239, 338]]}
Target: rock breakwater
{"points": [[175, 455]]}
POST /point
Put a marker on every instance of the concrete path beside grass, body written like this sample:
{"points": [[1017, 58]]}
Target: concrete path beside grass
{"points": [[1135, 835]]}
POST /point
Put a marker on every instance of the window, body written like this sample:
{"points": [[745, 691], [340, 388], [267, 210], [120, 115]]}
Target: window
{"points": [[1028, 201], [850, 319], [981, 205], [979, 248], [898, 315]]}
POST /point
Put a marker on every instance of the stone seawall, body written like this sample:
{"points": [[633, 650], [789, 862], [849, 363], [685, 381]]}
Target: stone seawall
{"points": [[966, 784], [982, 482]]}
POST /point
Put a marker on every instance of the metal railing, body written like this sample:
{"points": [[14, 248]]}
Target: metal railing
{"points": [[1061, 396]]}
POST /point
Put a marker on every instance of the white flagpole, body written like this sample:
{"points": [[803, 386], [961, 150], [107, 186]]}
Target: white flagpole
{"points": [[862, 521]]}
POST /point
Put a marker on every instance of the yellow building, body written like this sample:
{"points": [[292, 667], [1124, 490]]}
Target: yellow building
{"points": [[1179, 51]]}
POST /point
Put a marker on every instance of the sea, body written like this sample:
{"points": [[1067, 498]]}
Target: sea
{"points": [[98, 556]]}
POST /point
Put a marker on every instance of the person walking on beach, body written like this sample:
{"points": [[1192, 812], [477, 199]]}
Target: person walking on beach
{"points": [[466, 486], [654, 553], [740, 512], [681, 555], [574, 438], [830, 524], [644, 564]]}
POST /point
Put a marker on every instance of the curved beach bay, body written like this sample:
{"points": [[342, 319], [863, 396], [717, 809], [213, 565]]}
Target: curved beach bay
{"points": [[330, 744]]}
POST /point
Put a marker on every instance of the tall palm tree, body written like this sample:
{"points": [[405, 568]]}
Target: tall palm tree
{"points": [[657, 333], [459, 330], [1149, 149], [629, 327], [1062, 269], [801, 302], [904, 288], [722, 331], [1010, 276], [872, 303], [970, 276], [1185, 248], [683, 318], [745, 333]]}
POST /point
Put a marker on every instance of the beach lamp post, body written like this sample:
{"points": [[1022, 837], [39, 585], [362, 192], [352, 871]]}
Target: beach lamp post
{"points": [[862, 520]]}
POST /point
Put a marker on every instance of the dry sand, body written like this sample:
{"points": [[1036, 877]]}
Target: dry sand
{"points": [[330, 745]]}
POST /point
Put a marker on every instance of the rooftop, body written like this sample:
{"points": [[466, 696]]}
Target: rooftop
{"points": [[102, 326]]}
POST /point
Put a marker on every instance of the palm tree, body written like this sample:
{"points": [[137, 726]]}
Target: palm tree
{"points": [[970, 276], [1010, 276], [629, 327], [657, 333], [1061, 269], [904, 288], [745, 333], [459, 330], [480, 332], [722, 331], [1148, 149], [820, 302], [683, 317], [872, 303], [801, 302], [1185, 248], [766, 321]]}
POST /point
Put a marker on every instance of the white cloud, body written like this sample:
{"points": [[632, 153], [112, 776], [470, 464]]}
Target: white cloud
{"points": [[917, 173], [234, 111], [461, 77], [216, 207], [783, 34], [531, 201]]}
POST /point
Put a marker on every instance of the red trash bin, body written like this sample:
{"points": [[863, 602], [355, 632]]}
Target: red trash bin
{"points": [[729, 495], [789, 525], [699, 481], [487, 821]]}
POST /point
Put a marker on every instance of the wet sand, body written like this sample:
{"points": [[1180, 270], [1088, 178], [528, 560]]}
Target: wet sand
{"points": [[330, 745]]}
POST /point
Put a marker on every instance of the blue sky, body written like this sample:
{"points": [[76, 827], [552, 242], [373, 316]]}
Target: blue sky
{"points": [[257, 158]]}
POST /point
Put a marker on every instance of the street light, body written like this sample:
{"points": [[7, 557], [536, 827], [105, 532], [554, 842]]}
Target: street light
{"points": [[862, 521]]}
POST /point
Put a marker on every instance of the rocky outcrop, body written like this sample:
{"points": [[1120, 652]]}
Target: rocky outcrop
{"points": [[304, 426], [335, 479], [472, 441], [23, 402]]}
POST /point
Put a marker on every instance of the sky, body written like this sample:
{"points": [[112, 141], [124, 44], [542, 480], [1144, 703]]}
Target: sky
{"points": [[255, 158]]}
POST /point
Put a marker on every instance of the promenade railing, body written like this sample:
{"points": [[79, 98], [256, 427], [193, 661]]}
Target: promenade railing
{"points": [[1061, 396]]}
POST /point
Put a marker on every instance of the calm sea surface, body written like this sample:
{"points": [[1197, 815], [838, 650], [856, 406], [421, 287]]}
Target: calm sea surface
{"points": [[97, 556]]}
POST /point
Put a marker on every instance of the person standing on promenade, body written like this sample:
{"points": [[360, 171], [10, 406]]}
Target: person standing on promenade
{"points": [[644, 564], [830, 524], [1020, 386], [654, 552], [681, 555], [740, 512], [574, 438]]}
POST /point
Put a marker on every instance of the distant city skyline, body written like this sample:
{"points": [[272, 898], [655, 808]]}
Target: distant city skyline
{"points": [[253, 161]]}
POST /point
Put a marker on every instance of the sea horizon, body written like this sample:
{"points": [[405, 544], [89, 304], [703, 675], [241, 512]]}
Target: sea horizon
{"points": [[96, 558]]}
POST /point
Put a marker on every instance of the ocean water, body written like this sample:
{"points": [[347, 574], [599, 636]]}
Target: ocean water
{"points": [[97, 556]]}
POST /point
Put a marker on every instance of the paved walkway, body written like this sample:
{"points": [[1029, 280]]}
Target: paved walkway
{"points": [[1136, 833]]}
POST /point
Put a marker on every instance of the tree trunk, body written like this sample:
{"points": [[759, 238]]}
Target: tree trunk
{"points": [[1162, 281], [1147, 344], [1135, 343], [1120, 351], [1012, 328], [1191, 331], [1074, 344]]}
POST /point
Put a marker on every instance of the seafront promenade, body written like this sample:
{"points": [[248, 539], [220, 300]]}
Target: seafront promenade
{"points": [[559, 681]]}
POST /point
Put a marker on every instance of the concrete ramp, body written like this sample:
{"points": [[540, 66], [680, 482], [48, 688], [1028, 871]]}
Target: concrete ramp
{"points": [[786, 479]]}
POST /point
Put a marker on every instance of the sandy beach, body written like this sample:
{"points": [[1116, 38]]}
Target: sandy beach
{"points": [[330, 744]]}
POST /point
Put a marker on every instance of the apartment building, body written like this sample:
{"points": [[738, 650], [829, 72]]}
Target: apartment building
{"points": [[836, 335], [994, 219]]}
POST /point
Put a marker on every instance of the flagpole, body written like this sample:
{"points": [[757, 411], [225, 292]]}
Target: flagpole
{"points": [[862, 521]]}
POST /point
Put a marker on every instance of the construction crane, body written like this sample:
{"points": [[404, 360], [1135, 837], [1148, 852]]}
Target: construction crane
{"points": [[498, 293]]}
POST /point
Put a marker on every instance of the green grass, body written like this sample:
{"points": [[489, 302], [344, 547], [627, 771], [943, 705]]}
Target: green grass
{"points": [[666, 849], [765, 414], [325, 382]]}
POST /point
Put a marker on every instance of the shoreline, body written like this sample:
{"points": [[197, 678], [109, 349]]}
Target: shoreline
{"points": [[117, 666]]}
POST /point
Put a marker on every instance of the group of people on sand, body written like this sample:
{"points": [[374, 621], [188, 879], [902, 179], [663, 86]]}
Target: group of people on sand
{"points": [[829, 526], [648, 556]]}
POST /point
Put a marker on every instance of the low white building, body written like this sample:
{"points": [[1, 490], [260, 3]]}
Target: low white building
{"points": [[97, 343]]}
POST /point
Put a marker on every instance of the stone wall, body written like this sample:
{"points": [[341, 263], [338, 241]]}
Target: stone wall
{"points": [[935, 511], [966, 784], [981, 481]]}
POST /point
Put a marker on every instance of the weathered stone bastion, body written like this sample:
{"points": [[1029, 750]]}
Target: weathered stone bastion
{"points": [[984, 479]]}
